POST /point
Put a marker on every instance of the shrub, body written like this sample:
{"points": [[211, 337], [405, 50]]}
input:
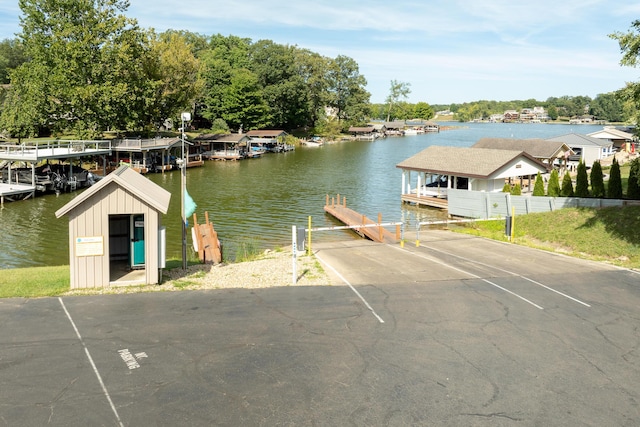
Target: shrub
{"points": [[597, 180], [567, 186], [516, 190], [506, 188], [582, 181], [553, 187], [614, 186], [538, 187], [633, 185]]}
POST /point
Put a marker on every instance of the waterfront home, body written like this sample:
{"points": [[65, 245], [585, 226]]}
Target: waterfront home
{"points": [[550, 152], [621, 140], [585, 148]]}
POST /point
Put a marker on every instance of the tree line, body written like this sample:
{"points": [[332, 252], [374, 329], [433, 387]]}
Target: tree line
{"points": [[85, 68]]}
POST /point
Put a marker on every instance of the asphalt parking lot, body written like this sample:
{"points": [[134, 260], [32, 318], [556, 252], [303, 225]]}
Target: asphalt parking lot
{"points": [[458, 331]]}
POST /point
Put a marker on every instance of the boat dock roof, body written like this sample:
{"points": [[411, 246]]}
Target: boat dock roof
{"points": [[53, 150]]}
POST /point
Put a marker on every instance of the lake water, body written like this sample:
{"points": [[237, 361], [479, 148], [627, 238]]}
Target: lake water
{"points": [[256, 201]]}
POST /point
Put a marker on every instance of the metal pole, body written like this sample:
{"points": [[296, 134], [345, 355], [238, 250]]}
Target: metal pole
{"points": [[183, 185], [294, 238]]}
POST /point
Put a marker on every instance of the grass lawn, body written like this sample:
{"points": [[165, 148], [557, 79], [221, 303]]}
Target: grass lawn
{"points": [[608, 234]]}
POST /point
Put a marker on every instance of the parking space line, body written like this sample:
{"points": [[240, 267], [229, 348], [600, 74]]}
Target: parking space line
{"points": [[352, 288], [470, 274], [512, 273], [93, 365]]}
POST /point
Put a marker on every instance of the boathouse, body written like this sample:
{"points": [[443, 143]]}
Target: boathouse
{"points": [[115, 234], [430, 173]]}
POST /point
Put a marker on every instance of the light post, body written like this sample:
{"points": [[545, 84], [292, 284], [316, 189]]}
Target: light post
{"points": [[185, 117]]}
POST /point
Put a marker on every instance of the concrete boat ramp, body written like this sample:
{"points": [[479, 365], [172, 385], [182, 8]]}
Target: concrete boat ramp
{"points": [[458, 331]]}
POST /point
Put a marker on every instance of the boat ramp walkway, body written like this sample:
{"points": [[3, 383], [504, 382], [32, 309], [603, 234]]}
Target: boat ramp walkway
{"points": [[365, 227]]}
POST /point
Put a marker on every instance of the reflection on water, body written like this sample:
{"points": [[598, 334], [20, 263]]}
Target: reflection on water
{"points": [[258, 200]]}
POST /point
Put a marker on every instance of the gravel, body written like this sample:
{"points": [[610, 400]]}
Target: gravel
{"points": [[270, 269]]}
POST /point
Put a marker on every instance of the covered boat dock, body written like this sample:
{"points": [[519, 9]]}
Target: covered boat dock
{"points": [[18, 183]]}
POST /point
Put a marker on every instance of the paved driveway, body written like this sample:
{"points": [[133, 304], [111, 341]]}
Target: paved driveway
{"points": [[460, 331]]}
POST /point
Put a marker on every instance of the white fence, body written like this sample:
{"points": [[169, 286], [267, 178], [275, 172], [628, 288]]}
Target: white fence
{"points": [[484, 205]]}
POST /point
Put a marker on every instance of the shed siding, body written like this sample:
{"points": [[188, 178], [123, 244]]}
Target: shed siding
{"points": [[92, 219]]}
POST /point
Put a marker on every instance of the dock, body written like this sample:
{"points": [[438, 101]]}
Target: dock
{"points": [[433, 202], [362, 225], [205, 241]]}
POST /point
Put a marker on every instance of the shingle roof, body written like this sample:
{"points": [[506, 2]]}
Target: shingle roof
{"points": [[612, 133], [538, 148], [217, 137], [577, 140], [267, 133], [459, 161], [127, 178]]}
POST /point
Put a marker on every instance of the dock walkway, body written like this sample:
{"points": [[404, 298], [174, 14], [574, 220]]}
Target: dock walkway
{"points": [[352, 218]]}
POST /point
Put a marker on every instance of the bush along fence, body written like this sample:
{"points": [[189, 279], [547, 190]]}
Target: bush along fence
{"points": [[484, 205]]}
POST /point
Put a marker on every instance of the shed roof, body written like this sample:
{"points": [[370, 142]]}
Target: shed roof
{"points": [[362, 129], [538, 148], [467, 162], [127, 178], [578, 140], [266, 133], [220, 137]]}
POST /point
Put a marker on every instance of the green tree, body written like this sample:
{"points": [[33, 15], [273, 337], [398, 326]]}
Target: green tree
{"points": [[423, 111], [538, 186], [552, 112], [397, 92], [567, 186], [244, 104], [516, 190], [506, 188], [12, 55], [347, 95], [582, 181], [633, 184], [629, 43], [94, 57], [174, 72], [24, 112], [553, 186], [607, 106], [614, 186], [283, 87]]}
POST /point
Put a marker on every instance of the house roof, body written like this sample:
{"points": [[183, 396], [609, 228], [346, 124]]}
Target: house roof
{"points": [[468, 162], [577, 140], [613, 134], [538, 148], [267, 133], [127, 178]]}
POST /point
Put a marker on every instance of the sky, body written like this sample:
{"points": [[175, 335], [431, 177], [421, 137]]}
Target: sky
{"points": [[448, 51]]}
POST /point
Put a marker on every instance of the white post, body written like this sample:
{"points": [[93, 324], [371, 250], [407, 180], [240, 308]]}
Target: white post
{"points": [[404, 180], [294, 274]]}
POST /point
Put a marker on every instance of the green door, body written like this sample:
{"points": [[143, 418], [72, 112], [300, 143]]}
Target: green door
{"points": [[137, 241]]}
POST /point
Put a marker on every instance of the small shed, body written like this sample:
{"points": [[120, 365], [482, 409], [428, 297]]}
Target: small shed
{"points": [[115, 233]]}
